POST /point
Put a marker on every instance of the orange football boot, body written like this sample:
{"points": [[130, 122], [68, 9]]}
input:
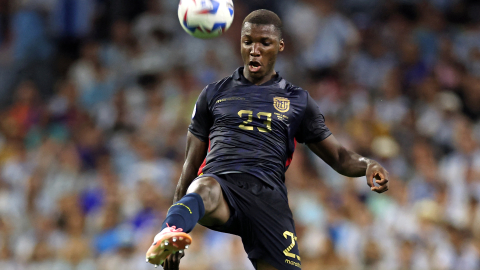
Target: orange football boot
{"points": [[169, 241]]}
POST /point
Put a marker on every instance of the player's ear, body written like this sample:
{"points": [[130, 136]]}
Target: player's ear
{"points": [[281, 46]]}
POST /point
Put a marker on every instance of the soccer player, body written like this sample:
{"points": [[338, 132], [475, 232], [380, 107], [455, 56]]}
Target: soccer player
{"points": [[240, 142]]}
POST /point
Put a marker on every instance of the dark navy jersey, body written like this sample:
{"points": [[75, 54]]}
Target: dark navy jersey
{"points": [[254, 128]]}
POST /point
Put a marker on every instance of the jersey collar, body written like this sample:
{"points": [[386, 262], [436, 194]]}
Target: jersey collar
{"points": [[238, 76]]}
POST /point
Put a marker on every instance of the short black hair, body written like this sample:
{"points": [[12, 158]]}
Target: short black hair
{"points": [[265, 17]]}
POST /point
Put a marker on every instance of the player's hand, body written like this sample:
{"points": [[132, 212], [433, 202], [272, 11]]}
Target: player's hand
{"points": [[377, 172], [173, 261]]}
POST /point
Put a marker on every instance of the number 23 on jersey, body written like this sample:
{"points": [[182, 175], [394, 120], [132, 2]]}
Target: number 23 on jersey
{"points": [[261, 115]]}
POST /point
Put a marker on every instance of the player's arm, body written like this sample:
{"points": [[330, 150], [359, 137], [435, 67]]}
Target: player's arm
{"points": [[194, 156], [349, 163], [315, 134], [197, 144]]}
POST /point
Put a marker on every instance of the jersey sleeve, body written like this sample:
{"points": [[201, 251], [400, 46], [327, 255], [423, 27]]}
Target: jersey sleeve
{"points": [[312, 128], [201, 118]]}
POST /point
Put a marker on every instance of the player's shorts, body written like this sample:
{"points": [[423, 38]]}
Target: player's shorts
{"points": [[260, 215]]}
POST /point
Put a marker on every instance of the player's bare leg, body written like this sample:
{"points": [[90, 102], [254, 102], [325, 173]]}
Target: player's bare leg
{"points": [[217, 211], [169, 244]]}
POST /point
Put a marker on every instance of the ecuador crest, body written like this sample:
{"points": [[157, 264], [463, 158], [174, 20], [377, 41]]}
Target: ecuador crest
{"points": [[281, 104]]}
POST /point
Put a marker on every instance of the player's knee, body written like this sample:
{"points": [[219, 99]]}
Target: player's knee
{"points": [[209, 189]]}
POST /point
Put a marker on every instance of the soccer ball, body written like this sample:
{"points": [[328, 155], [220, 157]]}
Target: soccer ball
{"points": [[205, 18]]}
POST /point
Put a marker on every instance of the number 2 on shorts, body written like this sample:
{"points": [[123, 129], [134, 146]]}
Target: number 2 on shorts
{"points": [[287, 250]]}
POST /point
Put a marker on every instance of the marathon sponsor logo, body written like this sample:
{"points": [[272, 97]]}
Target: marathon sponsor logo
{"points": [[293, 263]]}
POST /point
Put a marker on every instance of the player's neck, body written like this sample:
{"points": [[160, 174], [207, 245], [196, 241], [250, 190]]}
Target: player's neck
{"points": [[259, 81]]}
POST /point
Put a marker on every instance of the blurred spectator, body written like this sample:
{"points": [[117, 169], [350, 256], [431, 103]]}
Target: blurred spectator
{"points": [[332, 41], [370, 66], [154, 22], [71, 21], [93, 80]]}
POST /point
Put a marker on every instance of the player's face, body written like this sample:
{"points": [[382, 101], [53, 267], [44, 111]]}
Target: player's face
{"points": [[259, 48]]}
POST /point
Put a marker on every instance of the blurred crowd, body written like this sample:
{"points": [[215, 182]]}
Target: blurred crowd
{"points": [[96, 98]]}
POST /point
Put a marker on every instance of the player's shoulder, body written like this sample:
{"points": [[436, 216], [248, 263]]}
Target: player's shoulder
{"points": [[294, 89], [290, 87], [213, 88]]}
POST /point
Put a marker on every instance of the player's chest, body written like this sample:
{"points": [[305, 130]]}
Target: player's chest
{"points": [[260, 111]]}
